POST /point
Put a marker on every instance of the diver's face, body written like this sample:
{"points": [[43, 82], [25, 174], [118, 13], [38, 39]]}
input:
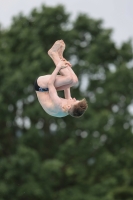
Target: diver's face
{"points": [[73, 101]]}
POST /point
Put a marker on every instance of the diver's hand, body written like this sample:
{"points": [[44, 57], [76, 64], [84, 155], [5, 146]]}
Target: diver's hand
{"points": [[63, 64]]}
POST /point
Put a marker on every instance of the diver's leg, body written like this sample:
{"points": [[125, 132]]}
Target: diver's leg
{"points": [[61, 80], [56, 53]]}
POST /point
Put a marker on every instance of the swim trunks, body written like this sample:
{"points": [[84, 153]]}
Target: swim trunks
{"points": [[40, 89]]}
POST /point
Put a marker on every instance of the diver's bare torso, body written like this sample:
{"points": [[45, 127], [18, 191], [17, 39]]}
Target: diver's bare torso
{"points": [[49, 106], [46, 102]]}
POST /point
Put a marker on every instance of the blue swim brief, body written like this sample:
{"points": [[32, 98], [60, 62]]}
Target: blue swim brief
{"points": [[40, 89]]}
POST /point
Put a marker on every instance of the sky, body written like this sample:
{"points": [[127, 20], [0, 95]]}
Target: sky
{"points": [[116, 14]]}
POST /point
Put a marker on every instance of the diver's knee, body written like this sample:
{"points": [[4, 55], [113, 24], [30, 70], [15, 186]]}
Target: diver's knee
{"points": [[69, 79], [75, 80]]}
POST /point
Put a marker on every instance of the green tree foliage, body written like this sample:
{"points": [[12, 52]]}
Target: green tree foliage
{"points": [[48, 158]]}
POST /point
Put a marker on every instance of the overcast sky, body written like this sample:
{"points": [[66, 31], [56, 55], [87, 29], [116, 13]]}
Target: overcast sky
{"points": [[117, 14]]}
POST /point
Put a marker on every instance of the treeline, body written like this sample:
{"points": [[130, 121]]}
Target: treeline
{"points": [[46, 158]]}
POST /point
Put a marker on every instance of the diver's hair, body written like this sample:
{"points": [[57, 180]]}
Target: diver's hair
{"points": [[79, 109]]}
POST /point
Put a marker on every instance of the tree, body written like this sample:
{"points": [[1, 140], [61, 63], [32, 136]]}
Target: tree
{"points": [[65, 158]]}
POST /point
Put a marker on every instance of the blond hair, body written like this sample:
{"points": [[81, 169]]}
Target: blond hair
{"points": [[79, 109]]}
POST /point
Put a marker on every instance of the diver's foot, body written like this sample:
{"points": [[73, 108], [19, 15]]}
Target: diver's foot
{"points": [[61, 50], [55, 48], [60, 53]]}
